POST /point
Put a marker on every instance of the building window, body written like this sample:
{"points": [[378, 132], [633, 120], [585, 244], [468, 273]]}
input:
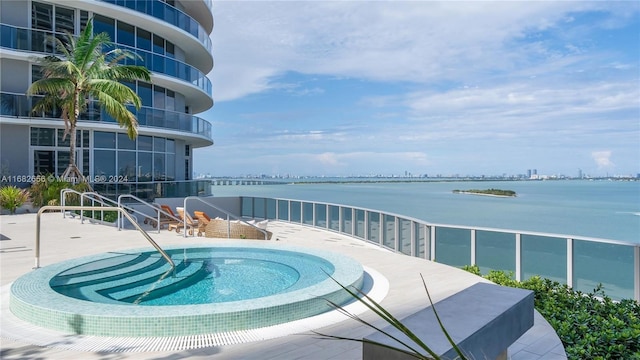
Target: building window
{"points": [[127, 166], [65, 20], [104, 162], [41, 16], [104, 24], [143, 39], [158, 44], [144, 166], [104, 140], [145, 143], [125, 143], [42, 137], [126, 34], [62, 162], [159, 170], [43, 161]]}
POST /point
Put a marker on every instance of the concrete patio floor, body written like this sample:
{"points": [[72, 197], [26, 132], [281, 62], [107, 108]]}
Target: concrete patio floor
{"points": [[64, 239]]}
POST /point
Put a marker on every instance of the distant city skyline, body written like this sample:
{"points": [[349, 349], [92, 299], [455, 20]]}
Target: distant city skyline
{"points": [[346, 88]]}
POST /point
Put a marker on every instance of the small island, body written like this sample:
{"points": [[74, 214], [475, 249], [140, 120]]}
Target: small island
{"points": [[488, 192]]}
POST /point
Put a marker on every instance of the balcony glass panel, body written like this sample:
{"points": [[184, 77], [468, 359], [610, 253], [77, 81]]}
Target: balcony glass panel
{"points": [[404, 240], [607, 264], [43, 42], [259, 208], [360, 225], [283, 210], [246, 207], [165, 12], [495, 251], [307, 213], [422, 240], [389, 231], [453, 246], [373, 227], [347, 220], [321, 215], [334, 218], [295, 211], [271, 209], [544, 256], [19, 105]]}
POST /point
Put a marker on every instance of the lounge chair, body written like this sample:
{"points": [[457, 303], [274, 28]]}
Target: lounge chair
{"points": [[164, 218], [187, 221], [203, 219]]}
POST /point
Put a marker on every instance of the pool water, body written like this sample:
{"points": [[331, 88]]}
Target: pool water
{"points": [[203, 276], [230, 286], [225, 282]]}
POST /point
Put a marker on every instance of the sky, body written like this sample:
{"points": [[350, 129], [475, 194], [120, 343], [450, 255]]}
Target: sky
{"points": [[345, 88]]}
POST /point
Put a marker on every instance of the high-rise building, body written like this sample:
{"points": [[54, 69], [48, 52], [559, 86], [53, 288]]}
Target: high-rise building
{"points": [[172, 40]]}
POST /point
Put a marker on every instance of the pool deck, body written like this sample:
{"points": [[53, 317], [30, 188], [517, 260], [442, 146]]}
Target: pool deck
{"points": [[64, 239]]}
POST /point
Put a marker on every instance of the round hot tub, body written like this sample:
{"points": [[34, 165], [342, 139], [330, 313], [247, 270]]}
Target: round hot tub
{"points": [[226, 287]]}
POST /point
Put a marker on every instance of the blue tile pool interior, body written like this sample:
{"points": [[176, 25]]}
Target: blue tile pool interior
{"points": [[136, 300], [203, 275]]}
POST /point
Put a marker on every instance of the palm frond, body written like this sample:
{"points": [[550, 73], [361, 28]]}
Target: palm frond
{"points": [[394, 322], [119, 112]]}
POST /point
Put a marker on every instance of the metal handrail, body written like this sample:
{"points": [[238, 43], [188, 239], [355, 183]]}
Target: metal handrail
{"points": [[118, 209], [63, 200], [96, 197], [155, 208], [266, 235]]}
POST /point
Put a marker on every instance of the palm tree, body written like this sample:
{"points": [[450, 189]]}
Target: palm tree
{"points": [[90, 68]]}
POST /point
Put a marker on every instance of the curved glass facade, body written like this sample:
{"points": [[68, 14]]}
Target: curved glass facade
{"points": [[165, 12], [18, 105], [41, 41], [174, 46]]}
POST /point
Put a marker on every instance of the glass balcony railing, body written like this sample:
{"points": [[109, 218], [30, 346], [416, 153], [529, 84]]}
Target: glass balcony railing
{"points": [[579, 262], [165, 12], [43, 42], [19, 105], [148, 191]]}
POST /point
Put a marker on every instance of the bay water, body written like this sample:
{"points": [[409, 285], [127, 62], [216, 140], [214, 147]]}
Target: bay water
{"points": [[600, 208]]}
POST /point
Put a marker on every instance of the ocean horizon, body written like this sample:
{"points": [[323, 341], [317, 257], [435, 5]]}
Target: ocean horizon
{"points": [[599, 209]]}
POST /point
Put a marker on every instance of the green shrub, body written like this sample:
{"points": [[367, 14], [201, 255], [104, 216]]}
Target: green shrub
{"points": [[12, 198], [106, 215], [590, 325], [46, 191]]}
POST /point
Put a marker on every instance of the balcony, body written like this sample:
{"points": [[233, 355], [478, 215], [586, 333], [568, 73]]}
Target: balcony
{"points": [[40, 41], [19, 106], [169, 14]]}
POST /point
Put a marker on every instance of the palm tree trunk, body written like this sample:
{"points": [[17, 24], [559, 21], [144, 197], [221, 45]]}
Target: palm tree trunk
{"points": [[72, 173]]}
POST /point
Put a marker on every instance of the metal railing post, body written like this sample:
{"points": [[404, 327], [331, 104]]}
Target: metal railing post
{"points": [[518, 257], [570, 262], [636, 276]]}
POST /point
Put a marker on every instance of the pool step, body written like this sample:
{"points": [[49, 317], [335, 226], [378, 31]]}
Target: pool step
{"points": [[93, 291], [117, 261], [141, 265], [135, 289]]}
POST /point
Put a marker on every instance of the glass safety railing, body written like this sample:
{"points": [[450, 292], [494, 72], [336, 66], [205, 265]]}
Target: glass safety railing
{"points": [[20, 105], [41, 41], [580, 262]]}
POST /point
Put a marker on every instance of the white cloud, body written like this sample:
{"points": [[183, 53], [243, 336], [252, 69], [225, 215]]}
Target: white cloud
{"points": [[602, 159], [450, 81], [417, 41]]}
